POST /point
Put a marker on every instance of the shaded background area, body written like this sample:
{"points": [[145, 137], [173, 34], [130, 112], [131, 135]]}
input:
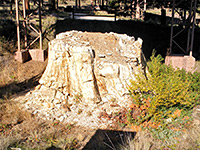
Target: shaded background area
{"points": [[154, 36]]}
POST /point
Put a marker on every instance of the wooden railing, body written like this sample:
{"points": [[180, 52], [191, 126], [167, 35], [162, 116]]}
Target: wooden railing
{"points": [[83, 12]]}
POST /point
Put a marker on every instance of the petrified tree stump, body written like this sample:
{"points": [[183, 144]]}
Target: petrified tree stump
{"points": [[94, 66]]}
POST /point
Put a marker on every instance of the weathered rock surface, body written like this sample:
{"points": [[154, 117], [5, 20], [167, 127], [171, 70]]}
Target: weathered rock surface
{"points": [[86, 72], [76, 67]]}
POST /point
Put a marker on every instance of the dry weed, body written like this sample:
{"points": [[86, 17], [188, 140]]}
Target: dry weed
{"points": [[19, 128], [12, 114], [7, 141]]}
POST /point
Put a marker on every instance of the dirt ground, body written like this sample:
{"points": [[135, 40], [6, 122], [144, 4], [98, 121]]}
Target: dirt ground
{"points": [[16, 76]]}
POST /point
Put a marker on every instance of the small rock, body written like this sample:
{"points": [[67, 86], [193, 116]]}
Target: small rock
{"points": [[169, 120], [12, 148], [114, 105], [61, 119], [35, 112], [104, 99], [101, 56]]}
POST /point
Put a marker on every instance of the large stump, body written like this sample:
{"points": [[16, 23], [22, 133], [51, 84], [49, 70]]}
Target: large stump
{"points": [[86, 70], [92, 65]]}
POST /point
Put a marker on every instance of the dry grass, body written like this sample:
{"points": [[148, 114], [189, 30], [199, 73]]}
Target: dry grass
{"points": [[8, 74], [6, 47], [10, 117], [19, 128]]}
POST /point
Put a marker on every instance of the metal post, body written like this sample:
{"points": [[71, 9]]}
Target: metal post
{"points": [[11, 8], [132, 4], [40, 24], [172, 28], [145, 5], [56, 4], [17, 20], [137, 10], [24, 23], [184, 17], [79, 3], [189, 29], [193, 26], [76, 3]]}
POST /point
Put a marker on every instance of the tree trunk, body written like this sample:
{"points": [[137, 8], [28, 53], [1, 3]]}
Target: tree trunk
{"points": [[52, 4], [145, 5], [102, 3], [79, 4], [132, 8], [145, 8], [76, 3], [163, 16], [137, 13], [27, 6]]}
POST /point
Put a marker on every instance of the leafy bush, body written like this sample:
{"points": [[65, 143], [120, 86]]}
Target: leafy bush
{"points": [[165, 88], [163, 99], [113, 3], [195, 82]]}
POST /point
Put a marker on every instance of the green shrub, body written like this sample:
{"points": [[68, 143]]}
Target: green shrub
{"points": [[195, 82], [113, 3], [166, 88]]}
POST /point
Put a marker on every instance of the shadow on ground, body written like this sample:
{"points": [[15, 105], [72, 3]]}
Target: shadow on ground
{"points": [[110, 139], [14, 87]]}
